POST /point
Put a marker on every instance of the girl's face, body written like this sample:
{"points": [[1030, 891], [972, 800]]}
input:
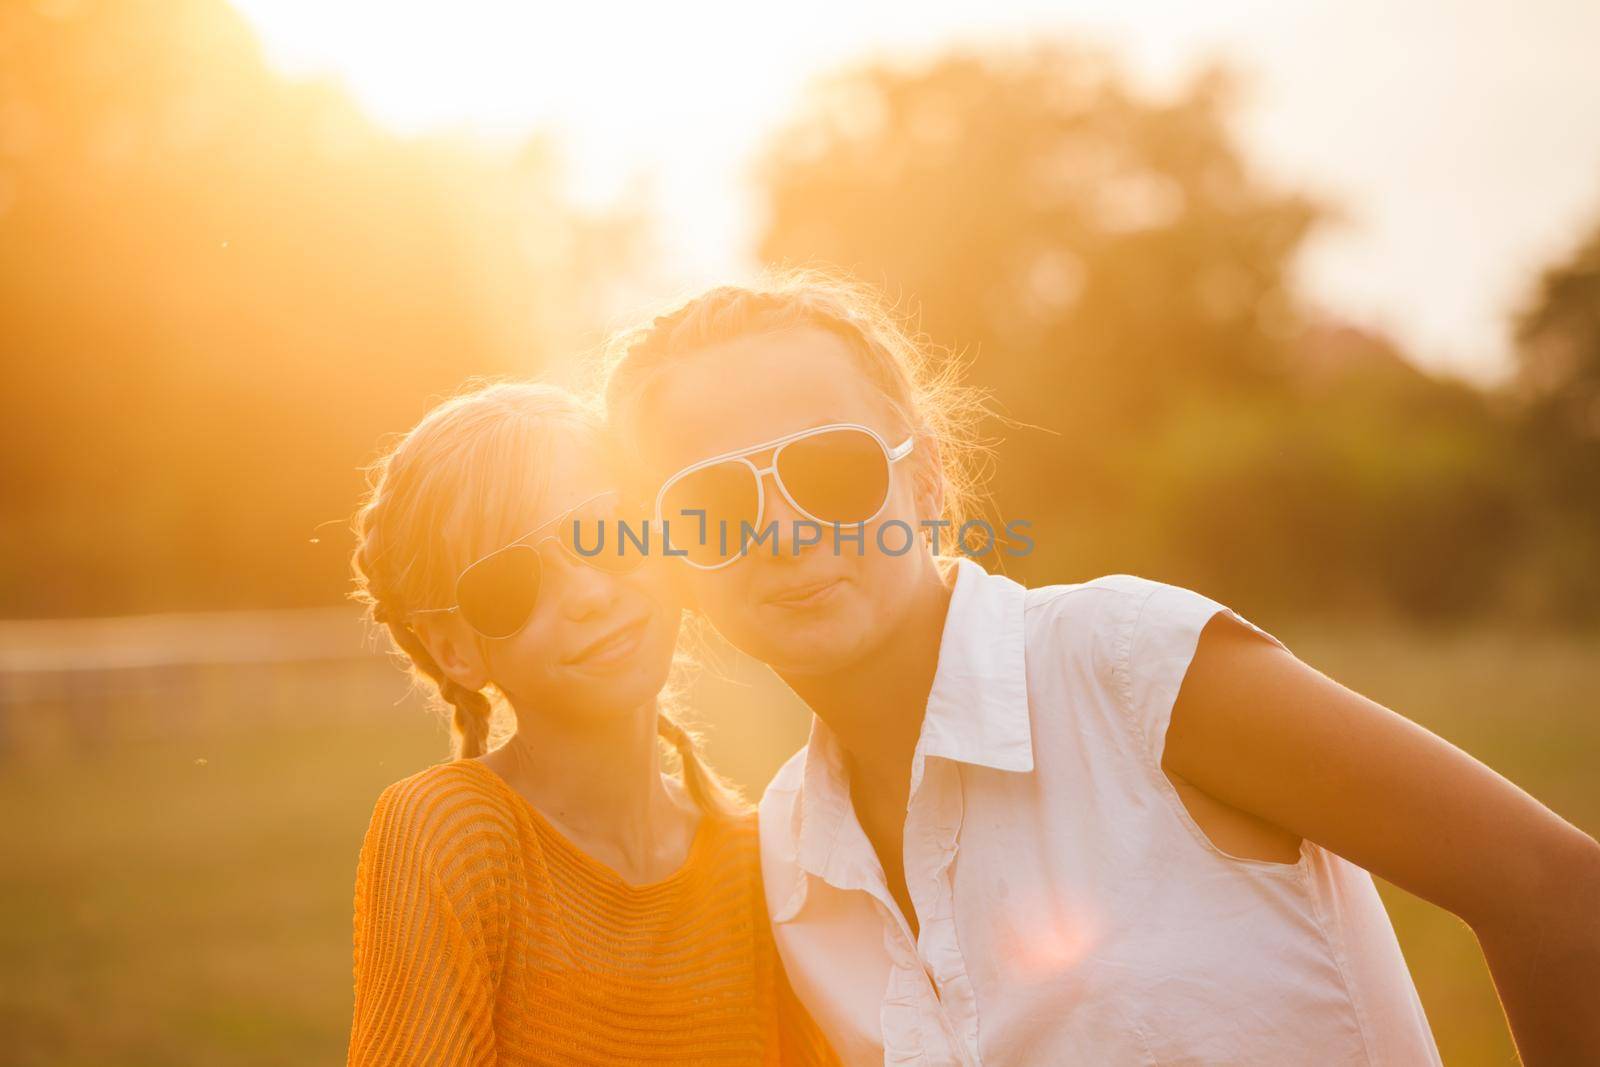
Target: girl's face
{"points": [[596, 643], [824, 608]]}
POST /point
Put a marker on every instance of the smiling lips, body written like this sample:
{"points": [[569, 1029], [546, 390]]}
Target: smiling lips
{"points": [[612, 645]]}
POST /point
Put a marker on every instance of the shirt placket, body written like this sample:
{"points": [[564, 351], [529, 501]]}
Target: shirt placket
{"points": [[913, 1023], [911, 1019], [933, 824]]}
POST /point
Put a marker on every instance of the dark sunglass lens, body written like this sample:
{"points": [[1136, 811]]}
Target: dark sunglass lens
{"points": [[707, 512], [839, 476], [497, 593]]}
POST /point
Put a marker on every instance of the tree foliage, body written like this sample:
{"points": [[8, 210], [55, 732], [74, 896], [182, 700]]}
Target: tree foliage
{"points": [[1558, 386], [220, 288]]}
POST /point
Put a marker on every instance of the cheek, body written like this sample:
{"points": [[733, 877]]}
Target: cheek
{"points": [[523, 665], [655, 587]]}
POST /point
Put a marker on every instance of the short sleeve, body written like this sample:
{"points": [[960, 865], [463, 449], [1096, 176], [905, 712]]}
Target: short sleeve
{"points": [[423, 986], [1159, 632]]}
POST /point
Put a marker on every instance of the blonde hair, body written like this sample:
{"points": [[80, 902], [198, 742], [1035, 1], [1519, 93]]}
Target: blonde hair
{"points": [[440, 497], [920, 384]]}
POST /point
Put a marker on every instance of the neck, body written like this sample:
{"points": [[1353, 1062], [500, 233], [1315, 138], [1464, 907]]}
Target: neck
{"points": [[875, 706], [599, 783]]}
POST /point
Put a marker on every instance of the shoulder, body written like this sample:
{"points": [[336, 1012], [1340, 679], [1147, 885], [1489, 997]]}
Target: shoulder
{"points": [[1159, 618], [725, 861], [444, 791], [1113, 610], [736, 845], [1085, 623], [1103, 599], [443, 815], [439, 865], [1131, 636], [1145, 634]]}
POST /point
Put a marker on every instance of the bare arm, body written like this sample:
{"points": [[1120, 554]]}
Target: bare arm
{"points": [[1260, 730]]}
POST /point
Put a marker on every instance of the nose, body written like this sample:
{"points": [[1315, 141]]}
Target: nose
{"points": [[585, 591]]}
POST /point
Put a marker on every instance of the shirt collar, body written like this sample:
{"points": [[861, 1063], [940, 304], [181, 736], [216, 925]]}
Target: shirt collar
{"points": [[977, 713], [978, 708]]}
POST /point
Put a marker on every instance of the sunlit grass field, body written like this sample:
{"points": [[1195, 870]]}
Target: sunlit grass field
{"points": [[183, 896]]}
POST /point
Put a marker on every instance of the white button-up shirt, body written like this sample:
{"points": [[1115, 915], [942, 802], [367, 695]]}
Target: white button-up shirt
{"points": [[1070, 909]]}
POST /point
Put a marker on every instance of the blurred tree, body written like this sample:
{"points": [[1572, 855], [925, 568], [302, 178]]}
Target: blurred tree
{"points": [[220, 288], [1368, 486], [1558, 389], [1558, 343]]}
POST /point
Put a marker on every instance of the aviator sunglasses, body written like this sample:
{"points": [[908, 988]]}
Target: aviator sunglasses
{"points": [[496, 595], [834, 475]]}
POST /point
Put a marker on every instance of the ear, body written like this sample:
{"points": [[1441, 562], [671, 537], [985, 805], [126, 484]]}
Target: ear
{"points": [[455, 648]]}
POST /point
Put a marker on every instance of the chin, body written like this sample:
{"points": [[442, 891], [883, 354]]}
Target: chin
{"points": [[619, 694], [822, 649]]}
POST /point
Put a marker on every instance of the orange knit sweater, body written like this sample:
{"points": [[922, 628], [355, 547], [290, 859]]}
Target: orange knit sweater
{"points": [[484, 936]]}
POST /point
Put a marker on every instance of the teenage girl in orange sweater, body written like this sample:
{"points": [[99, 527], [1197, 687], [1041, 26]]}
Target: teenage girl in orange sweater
{"points": [[557, 899]]}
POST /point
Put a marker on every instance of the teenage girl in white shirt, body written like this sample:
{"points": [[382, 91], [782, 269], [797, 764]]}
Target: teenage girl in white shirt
{"points": [[1109, 822]]}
